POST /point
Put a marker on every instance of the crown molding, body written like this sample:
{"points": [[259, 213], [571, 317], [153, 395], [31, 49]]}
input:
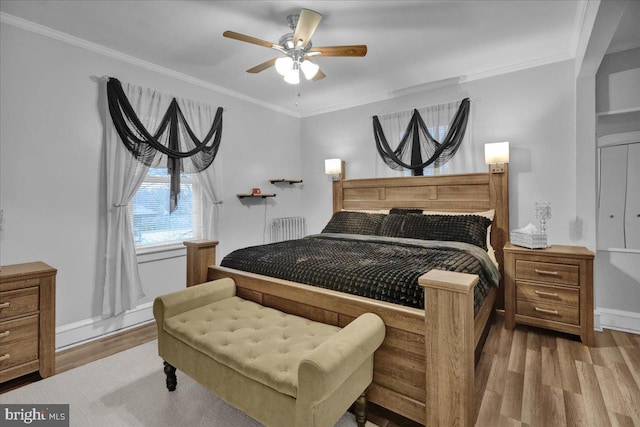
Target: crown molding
{"points": [[23, 24], [581, 27], [443, 83], [519, 67], [84, 44]]}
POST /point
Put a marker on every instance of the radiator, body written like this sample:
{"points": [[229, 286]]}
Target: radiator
{"points": [[287, 228]]}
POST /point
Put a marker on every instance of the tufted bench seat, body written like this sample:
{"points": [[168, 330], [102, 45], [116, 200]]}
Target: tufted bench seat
{"points": [[282, 370]]}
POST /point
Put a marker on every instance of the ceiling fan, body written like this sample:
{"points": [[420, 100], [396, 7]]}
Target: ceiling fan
{"points": [[297, 49]]}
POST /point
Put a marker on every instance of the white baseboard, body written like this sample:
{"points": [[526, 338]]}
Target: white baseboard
{"points": [[618, 320], [86, 330]]}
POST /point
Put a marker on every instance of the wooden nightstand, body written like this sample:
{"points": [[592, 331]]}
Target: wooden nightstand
{"points": [[27, 320], [550, 288]]}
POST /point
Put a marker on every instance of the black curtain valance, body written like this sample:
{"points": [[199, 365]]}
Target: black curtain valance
{"points": [[173, 138], [438, 152]]}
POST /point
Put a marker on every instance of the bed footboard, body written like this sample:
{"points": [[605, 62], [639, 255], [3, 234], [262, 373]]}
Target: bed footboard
{"points": [[425, 368]]}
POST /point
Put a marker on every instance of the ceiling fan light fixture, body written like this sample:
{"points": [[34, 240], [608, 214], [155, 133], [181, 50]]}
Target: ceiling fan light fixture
{"points": [[309, 69], [284, 65], [293, 77]]}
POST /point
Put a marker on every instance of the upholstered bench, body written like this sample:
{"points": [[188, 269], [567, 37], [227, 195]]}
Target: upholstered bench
{"points": [[280, 369]]}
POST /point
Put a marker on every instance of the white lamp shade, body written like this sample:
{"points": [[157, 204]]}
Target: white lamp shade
{"points": [[496, 152], [284, 65], [333, 166], [292, 77], [309, 69]]}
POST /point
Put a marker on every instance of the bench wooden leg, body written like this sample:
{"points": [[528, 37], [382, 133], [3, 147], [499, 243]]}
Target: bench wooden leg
{"points": [[172, 381], [361, 410]]}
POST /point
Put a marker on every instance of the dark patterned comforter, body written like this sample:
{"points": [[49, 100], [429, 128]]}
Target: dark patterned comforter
{"points": [[376, 267]]}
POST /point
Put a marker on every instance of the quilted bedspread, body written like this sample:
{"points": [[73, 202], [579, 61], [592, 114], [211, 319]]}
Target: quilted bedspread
{"points": [[376, 267]]}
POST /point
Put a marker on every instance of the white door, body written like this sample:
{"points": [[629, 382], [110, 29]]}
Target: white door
{"points": [[632, 212], [611, 207]]}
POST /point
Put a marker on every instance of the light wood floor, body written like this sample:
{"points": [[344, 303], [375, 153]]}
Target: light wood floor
{"points": [[532, 377], [525, 377]]}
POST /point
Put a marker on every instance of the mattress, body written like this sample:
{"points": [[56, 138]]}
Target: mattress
{"points": [[377, 267]]}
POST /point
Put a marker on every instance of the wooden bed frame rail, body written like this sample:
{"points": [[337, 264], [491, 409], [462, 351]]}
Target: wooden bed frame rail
{"points": [[424, 369]]}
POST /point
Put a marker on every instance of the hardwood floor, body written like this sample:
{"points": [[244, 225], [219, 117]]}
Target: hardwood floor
{"points": [[526, 377], [533, 377]]}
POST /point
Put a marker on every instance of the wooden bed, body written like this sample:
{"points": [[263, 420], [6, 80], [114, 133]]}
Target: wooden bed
{"points": [[424, 370]]}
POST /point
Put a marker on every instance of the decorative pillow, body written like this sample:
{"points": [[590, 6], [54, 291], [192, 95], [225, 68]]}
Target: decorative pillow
{"points": [[403, 211], [376, 211], [459, 228], [348, 222], [487, 214], [393, 225]]}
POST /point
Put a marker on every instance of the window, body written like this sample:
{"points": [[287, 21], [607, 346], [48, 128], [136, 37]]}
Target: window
{"points": [[438, 134], [152, 223]]}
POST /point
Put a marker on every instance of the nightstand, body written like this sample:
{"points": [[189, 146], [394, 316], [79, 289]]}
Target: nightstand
{"points": [[550, 288], [27, 320]]}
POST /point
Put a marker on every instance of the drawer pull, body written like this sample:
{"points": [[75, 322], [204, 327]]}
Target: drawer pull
{"points": [[544, 310], [4, 357], [5, 334], [546, 294], [4, 304], [548, 273]]}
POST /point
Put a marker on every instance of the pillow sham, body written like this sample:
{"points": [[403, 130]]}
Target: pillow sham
{"points": [[376, 211], [488, 214], [349, 222], [404, 211], [470, 229]]}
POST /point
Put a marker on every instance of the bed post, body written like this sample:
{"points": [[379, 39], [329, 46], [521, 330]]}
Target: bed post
{"points": [[200, 255], [499, 200], [449, 342], [337, 190]]}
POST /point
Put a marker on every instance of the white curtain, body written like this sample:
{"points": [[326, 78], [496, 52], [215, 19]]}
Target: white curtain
{"points": [[200, 117], [437, 118], [124, 174]]}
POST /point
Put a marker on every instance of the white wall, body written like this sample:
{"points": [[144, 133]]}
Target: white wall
{"points": [[534, 109], [50, 147]]}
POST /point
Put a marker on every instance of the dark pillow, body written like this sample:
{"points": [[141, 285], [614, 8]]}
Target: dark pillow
{"points": [[405, 211], [458, 228], [347, 222], [393, 225]]}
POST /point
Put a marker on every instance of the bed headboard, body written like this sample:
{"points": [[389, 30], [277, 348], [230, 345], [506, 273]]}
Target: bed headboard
{"points": [[471, 192]]}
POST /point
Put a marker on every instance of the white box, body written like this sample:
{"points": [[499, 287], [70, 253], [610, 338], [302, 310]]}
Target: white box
{"points": [[529, 240]]}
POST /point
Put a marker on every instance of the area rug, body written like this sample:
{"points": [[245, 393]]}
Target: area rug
{"points": [[128, 389]]}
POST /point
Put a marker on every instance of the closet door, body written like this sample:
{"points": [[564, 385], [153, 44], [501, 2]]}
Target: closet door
{"points": [[632, 212], [611, 209]]}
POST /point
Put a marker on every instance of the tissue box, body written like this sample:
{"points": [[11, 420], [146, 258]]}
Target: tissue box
{"points": [[529, 240]]}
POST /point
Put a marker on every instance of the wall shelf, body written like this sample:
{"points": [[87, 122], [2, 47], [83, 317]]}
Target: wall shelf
{"points": [[290, 181], [243, 195]]}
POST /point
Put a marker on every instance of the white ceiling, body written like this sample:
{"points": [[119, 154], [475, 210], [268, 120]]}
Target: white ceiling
{"points": [[411, 44]]}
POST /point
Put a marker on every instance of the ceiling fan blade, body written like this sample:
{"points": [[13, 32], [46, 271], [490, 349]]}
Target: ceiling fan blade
{"points": [[353, 50], [249, 39], [306, 26], [319, 76], [261, 67]]}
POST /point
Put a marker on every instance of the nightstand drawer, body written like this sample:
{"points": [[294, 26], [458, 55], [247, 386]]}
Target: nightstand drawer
{"points": [[21, 301], [18, 352], [548, 272], [548, 294], [558, 313], [18, 329]]}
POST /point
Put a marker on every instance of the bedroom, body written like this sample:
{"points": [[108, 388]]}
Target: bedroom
{"points": [[44, 98]]}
